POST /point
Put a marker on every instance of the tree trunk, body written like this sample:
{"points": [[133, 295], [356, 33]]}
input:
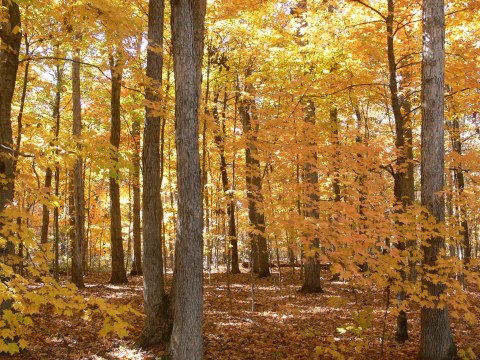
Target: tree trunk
{"points": [[311, 280], [137, 236], [11, 40], [56, 225], [157, 326], [119, 274], [436, 341], [9, 52], [401, 173], [187, 23], [45, 209], [256, 215], [460, 185], [78, 185], [220, 141], [336, 142]]}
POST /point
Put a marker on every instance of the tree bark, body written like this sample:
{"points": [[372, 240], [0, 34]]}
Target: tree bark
{"points": [[11, 37], [403, 184], [311, 280], [256, 215], [56, 225], [220, 142], [459, 180], [119, 274], [78, 184], [436, 341], [137, 235], [157, 326], [187, 23], [45, 209]]}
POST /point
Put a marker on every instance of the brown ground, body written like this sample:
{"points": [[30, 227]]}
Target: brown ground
{"points": [[285, 325]]}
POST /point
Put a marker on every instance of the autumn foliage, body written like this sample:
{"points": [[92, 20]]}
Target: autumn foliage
{"points": [[309, 130]]}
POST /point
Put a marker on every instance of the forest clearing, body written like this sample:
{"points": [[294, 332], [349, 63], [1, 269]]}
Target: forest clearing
{"points": [[254, 179]]}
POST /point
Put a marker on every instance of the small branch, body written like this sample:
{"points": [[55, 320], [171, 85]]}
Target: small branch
{"points": [[388, 168], [346, 88], [16, 152], [371, 8], [78, 62]]}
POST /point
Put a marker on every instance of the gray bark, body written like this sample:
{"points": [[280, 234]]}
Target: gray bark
{"points": [[220, 141], [256, 215], [137, 235], [403, 173], [56, 225], [187, 23], [119, 274], [311, 280], [436, 341], [459, 179], [78, 184], [157, 326]]}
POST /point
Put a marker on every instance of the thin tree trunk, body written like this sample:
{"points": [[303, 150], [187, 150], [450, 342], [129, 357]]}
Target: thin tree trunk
{"points": [[78, 184], [119, 274], [56, 225], [48, 172], [436, 341], [460, 185], [45, 209], [87, 244], [137, 235], [187, 23], [220, 142]]}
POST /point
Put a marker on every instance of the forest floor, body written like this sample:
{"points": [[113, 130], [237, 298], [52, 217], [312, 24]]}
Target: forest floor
{"points": [[286, 324]]}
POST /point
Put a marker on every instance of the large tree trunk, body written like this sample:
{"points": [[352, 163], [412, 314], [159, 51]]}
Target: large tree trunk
{"points": [[11, 39], [78, 185], [9, 53], [256, 215], [119, 274], [187, 39], [436, 341], [157, 326]]}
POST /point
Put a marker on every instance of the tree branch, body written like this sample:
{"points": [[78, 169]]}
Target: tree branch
{"points": [[371, 8]]}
